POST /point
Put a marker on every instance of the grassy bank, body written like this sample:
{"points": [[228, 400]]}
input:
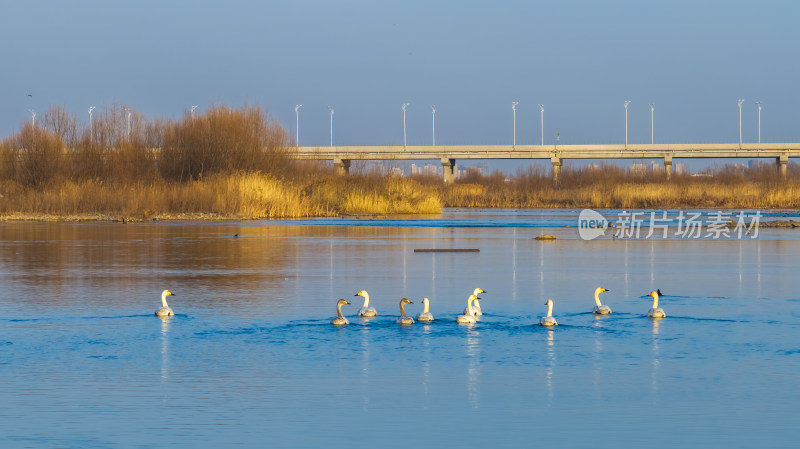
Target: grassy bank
{"points": [[220, 196], [729, 187]]}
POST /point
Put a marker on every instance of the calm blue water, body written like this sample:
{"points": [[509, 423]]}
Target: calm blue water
{"points": [[251, 361]]}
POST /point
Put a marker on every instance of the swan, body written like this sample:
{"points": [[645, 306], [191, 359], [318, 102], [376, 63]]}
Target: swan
{"points": [[548, 321], [165, 310], [655, 311], [404, 319], [426, 316], [468, 317], [366, 311], [476, 306], [340, 320], [600, 309]]}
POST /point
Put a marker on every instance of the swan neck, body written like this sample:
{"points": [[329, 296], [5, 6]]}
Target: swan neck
{"points": [[366, 299], [549, 310], [655, 301], [402, 309], [425, 307], [339, 310], [597, 298], [164, 300], [469, 306]]}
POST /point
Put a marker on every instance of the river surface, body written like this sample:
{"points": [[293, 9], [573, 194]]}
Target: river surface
{"points": [[250, 359]]}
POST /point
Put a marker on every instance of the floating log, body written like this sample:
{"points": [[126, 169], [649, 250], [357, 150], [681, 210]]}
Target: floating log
{"points": [[545, 237], [447, 250]]}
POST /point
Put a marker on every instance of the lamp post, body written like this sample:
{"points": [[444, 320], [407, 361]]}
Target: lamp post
{"points": [[331, 109], [128, 124], [652, 109], [33, 117], [91, 125], [192, 110], [405, 105], [627, 102], [541, 110], [297, 124], [514, 109], [741, 100], [759, 121], [433, 117]]}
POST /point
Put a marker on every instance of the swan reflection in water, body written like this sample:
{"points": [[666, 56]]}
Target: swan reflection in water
{"points": [[165, 324], [551, 356], [474, 368]]}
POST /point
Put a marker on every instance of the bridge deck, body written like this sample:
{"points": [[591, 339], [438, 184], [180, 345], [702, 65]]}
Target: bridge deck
{"points": [[725, 150]]}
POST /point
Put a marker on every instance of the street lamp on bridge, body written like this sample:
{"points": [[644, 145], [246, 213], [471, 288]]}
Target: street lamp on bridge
{"points": [[33, 117], [514, 109], [191, 111], [627, 102], [405, 105], [759, 121], [433, 116], [331, 109], [741, 100], [91, 125], [652, 109], [297, 124], [541, 110]]}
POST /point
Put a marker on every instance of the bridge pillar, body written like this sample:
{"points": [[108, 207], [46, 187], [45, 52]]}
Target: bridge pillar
{"points": [[782, 161], [448, 166], [556, 161], [668, 166], [342, 166]]}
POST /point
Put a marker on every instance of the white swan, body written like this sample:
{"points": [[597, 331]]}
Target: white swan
{"points": [[600, 309], [404, 319], [476, 306], [426, 316], [468, 317], [366, 311], [548, 321], [165, 310], [655, 311], [340, 320]]}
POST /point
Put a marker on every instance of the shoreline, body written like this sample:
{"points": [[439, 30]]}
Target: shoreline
{"points": [[788, 223]]}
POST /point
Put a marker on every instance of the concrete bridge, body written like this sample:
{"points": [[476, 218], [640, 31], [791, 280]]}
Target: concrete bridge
{"points": [[448, 154]]}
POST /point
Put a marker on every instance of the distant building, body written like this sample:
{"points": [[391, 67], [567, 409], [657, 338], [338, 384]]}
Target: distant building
{"points": [[397, 171], [431, 169], [638, 169]]}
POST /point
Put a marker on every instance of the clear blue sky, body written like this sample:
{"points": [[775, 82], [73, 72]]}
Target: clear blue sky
{"points": [[581, 59]]}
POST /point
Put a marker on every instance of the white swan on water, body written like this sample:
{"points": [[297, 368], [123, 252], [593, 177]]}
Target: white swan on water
{"points": [[426, 316], [548, 321], [366, 311], [655, 311], [600, 309], [476, 306], [340, 320], [165, 310], [468, 317], [404, 319]]}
